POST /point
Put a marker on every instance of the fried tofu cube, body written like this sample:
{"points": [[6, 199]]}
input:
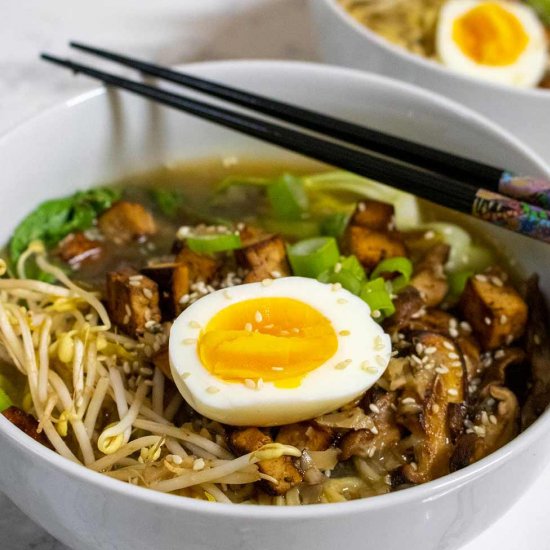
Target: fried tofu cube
{"points": [[77, 248], [173, 282], [372, 246], [429, 276], [497, 313], [305, 435], [126, 221], [247, 440], [132, 300], [201, 267], [264, 259], [376, 215]]}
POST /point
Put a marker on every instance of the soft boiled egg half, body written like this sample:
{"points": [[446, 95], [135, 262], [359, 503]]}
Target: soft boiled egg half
{"points": [[276, 352], [500, 41]]}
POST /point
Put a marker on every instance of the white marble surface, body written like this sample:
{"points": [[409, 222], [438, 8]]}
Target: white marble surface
{"points": [[172, 31]]}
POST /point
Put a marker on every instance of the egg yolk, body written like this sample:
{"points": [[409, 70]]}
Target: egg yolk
{"points": [[490, 35], [278, 340]]}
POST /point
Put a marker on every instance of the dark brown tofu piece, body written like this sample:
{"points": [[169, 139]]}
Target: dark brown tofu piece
{"points": [[264, 259], [429, 276], [248, 440], [305, 435], [126, 221], [494, 309], [76, 248], [201, 267], [132, 300], [173, 283], [372, 246], [26, 423], [376, 215]]}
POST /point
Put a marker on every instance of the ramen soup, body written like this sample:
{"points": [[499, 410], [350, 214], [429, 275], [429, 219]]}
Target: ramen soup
{"points": [[500, 41], [263, 334]]}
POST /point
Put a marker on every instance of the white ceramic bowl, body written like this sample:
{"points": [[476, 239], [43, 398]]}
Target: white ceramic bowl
{"points": [[100, 136], [344, 41]]}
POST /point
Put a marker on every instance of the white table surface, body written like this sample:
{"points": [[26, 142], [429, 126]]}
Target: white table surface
{"points": [[175, 31]]}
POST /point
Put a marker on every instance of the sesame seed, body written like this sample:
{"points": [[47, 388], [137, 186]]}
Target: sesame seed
{"points": [[453, 355], [416, 359], [276, 274], [493, 419], [248, 327], [510, 339], [249, 383], [419, 348], [343, 333], [278, 369], [435, 408], [448, 345], [185, 375], [441, 370], [387, 479], [453, 333], [414, 466], [146, 371], [227, 294], [194, 324], [361, 207], [408, 401], [479, 430], [503, 319], [370, 452], [342, 364], [380, 360], [499, 354], [260, 384], [374, 430], [258, 317], [487, 321], [374, 408], [453, 392], [335, 287], [342, 301], [338, 268], [212, 389], [189, 341], [465, 326], [149, 383], [537, 339], [484, 417], [481, 278], [430, 350], [456, 364], [128, 310], [271, 325], [267, 282], [147, 293], [367, 368], [376, 313], [429, 235], [496, 281]]}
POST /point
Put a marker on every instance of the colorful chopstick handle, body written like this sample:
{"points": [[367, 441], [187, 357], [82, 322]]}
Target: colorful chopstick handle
{"points": [[517, 216], [532, 190]]}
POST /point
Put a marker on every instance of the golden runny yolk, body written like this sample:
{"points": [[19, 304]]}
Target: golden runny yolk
{"points": [[490, 35], [278, 340]]}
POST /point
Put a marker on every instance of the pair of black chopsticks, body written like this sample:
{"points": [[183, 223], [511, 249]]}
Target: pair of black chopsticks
{"points": [[489, 193]]}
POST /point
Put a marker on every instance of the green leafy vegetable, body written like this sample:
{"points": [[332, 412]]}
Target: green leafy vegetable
{"points": [[348, 272], [400, 265], [457, 282], [377, 294], [542, 7], [169, 201], [288, 198], [55, 219], [310, 257]]}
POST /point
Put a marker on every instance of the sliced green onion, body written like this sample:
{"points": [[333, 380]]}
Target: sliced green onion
{"points": [[309, 258], [334, 225], [303, 229], [5, 401], [352, 264], [216, 242], [400, 265], [457, 282], [288, 198], [378, 297], [347, 279]]}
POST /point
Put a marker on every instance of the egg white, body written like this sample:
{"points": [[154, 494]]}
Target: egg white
{"points": [[320, 391], [527, 71]]}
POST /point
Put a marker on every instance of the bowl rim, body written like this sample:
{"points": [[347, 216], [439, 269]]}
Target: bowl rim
{"points": [[428, 64], [427, 491]]}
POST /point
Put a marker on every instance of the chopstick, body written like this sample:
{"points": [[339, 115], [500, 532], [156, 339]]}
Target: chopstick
{"points": [[503, 211], [498, 180]]}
